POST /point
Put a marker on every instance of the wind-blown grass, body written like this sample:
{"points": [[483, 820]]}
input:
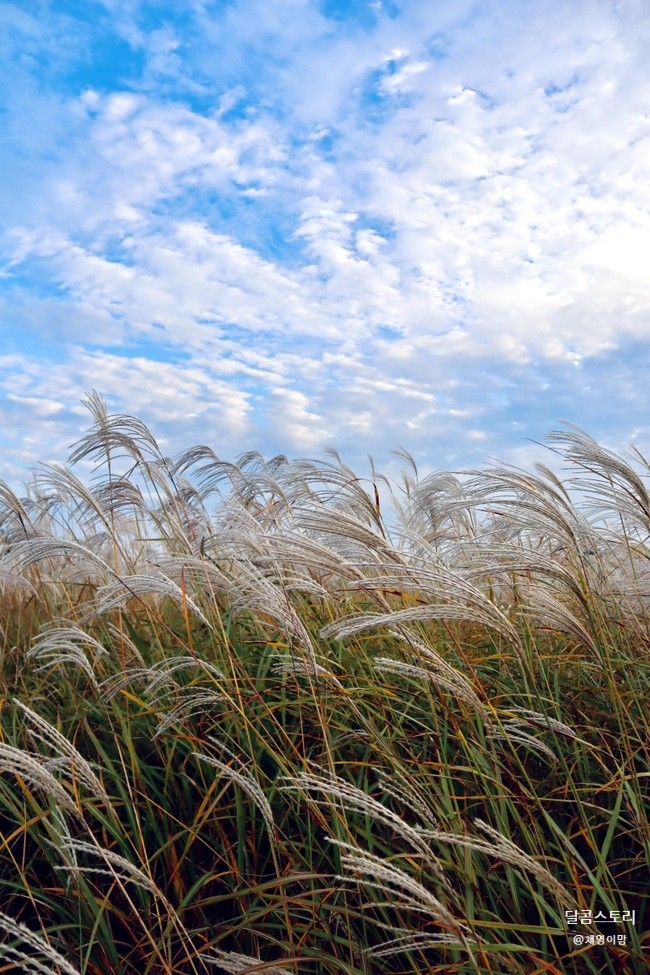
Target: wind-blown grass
{"points": [[252, 723]]}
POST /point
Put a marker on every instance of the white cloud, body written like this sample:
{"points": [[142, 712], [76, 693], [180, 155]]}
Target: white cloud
{"points": [[356, 234], [39, 405]]}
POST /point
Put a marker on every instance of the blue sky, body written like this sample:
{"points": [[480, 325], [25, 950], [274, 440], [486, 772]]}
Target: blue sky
{"points": [[294, 224]]}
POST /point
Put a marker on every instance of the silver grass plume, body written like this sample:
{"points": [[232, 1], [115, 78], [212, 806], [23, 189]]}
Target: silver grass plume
{"points": [[413, 941], [347, 535], [61, 645], [456, 687], [193, 702], [158, 681], [511, 729], [403, 789], [37, 957], [333, 787], [363, 622], [288, 664], [13, 581], [115, 865], [514, 735], [543, 721], [22, 555], [119, 682], [231, 767], [500, 847], [117, 593], [436, 665], [161, 673], [234, 963], [550, 612], [455, 598], [15, 515], [67, 757], [613, 483], [401, 890], [91, 507], [112, 432], [36, 773]]}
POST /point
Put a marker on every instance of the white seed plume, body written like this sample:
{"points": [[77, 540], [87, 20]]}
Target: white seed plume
{"points": [[162, 671], [550, 612], [305, 667], [236, 771], [33, 769], [456, 685], [37, 956], [499, 846], [543, 721], [512, 733], [363, 622], [402, 890], [414, 941], [22, 555], [67, 757], [67, 645], [354, 799], [117, 593], [403, 789], [123, 641], [116, 866], [117, 683], [237, 964], [13, 581], [194, 702]]}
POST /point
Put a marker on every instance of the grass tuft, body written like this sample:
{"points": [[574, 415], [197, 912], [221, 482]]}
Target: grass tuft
{"points": [[270, 716]]}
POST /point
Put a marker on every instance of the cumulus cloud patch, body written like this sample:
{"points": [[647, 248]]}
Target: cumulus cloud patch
{"points": [[425, 226]]}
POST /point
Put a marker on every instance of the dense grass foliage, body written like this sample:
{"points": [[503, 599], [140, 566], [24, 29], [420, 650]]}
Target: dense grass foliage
{"points": [[273, 717]]}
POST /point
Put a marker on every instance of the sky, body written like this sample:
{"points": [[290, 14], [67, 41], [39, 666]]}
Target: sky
{"points": [[288, 225]]}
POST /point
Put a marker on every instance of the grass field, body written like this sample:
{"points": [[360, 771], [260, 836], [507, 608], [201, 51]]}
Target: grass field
{"points": [[275, 717]]}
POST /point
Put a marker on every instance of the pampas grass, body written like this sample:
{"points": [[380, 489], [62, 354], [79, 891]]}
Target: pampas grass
{"points": [[274, 716]]}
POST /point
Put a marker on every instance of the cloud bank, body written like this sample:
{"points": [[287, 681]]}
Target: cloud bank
{"points": [[300, 224]]}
